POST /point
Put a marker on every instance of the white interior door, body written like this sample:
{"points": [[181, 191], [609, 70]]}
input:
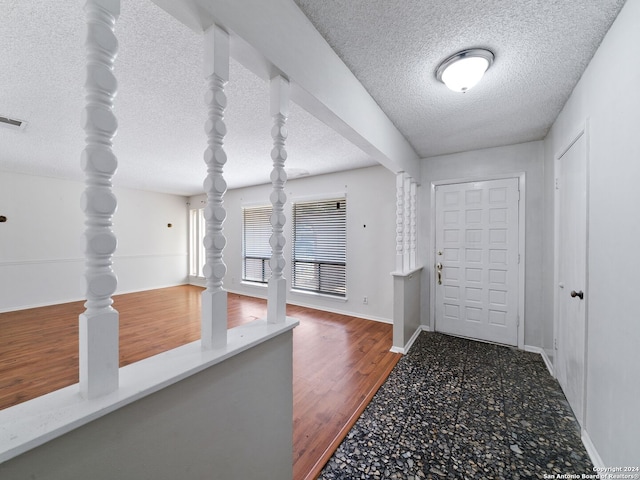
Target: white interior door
{"points": [[572, 254], [476, 264]]}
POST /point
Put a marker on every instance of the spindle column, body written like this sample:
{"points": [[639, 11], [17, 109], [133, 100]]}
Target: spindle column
{"points": [[407, 224], [413, 226], [277, 294], [98, 325], [214, 298], [400, 233]]}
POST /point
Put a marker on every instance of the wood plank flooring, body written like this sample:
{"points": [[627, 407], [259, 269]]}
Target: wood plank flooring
{"points": [[338, 364], [338, 361]]}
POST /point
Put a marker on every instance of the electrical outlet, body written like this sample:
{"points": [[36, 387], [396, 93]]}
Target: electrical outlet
{"points": [[365, 300]]}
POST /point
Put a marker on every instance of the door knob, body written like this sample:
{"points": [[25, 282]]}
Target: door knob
{"points": [[575, 294], [439, 270]]}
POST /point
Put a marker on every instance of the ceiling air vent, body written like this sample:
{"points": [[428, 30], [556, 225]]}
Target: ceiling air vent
{"points": [[12, 123]]}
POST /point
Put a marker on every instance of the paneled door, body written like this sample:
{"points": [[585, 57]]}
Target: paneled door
{"points": [[572, 255], [476, 261]]}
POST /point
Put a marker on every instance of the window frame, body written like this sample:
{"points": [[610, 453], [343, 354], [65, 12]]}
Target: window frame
{"points": [[336, 281], [197, 231]]}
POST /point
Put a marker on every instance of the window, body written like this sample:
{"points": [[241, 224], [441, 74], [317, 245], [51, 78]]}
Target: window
{"points": [[256, 250], [196, 245], [320, 246]]}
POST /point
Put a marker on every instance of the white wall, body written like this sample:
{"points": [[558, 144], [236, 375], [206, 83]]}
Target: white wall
{"points": [[233, 420], [41, 258], [371, 250], [513, 159], [406, 315], [608, 96]]}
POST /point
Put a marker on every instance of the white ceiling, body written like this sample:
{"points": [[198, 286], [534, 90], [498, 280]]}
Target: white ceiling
{"points": [[160, 104], [392, 47]]}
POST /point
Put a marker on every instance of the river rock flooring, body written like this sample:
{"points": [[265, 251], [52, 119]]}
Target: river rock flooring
{"points": [[454, 408]]}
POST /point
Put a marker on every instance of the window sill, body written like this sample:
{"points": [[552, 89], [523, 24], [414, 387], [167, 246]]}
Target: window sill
{"points": [[35, 422], [249, 283]]}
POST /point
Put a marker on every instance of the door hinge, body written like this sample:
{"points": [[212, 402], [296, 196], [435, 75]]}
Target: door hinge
{"points": [[518, 258], [518, 320], [557, 184], [555, 343]]}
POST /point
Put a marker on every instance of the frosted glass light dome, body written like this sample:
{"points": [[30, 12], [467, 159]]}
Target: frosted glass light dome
{"points": [[463, 71]]}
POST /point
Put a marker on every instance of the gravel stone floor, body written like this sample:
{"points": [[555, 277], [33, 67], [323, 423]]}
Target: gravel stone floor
{"points": [[455, 408]]}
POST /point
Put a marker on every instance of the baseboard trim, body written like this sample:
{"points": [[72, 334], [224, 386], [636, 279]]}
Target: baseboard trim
{"points": [[404, 350], [178, 284], [256, 294], [342, 312], [39, 305], [59, 302], [413, 338], [262, 294], [591, 450], [543, 354]]}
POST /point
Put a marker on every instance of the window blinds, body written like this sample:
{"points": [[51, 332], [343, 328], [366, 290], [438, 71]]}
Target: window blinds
{"points": [[256, 250], [320, 246]]}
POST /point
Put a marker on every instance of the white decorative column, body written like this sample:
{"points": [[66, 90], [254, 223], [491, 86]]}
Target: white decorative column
{"points": [[407, 276], [98, 325], [407, 223], [214, 298], [414, 225], [399, 221], [277, 296]]}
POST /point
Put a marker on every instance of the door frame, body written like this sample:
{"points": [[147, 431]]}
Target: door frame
{"points": [[579, 131], [521, 177]]}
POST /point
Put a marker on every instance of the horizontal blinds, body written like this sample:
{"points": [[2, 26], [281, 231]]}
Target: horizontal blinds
{"points": [[320, 246], [256, 250]]}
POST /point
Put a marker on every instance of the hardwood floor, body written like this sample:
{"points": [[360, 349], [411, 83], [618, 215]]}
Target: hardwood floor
{"points": [[338, 364], [338, 361]]}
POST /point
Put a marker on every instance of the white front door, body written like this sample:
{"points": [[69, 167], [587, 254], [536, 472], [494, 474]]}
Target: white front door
{"points": [[572, 254], [476, 262]]}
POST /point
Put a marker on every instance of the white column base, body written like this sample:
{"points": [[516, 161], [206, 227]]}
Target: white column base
{"points": [[214, 319], [99, 354], [277, 300]]}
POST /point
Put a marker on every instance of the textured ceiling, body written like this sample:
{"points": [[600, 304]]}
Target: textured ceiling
{"points": [[394, 47], [160, 104]]}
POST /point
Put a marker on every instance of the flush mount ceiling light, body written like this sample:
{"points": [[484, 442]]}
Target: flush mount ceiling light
{"points": [[460, 72]]}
